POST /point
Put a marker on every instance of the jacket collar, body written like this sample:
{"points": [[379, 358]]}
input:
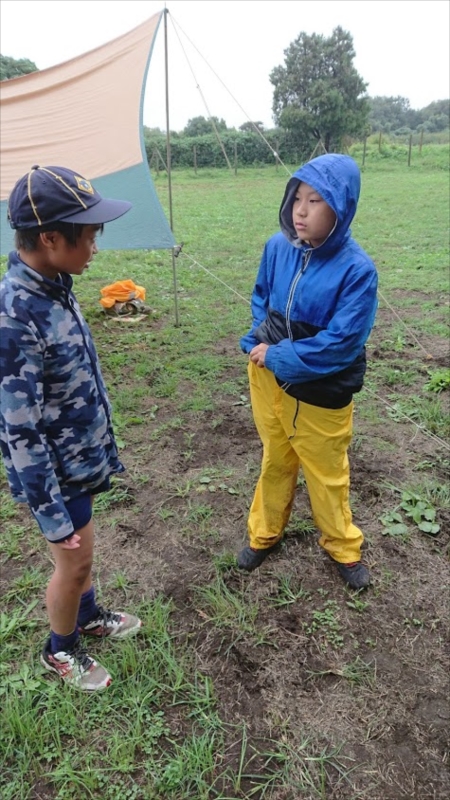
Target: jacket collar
{"points": [[37, 282]]}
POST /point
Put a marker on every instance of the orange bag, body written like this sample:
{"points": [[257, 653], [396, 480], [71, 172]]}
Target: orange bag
{"points": [[121, 292]]}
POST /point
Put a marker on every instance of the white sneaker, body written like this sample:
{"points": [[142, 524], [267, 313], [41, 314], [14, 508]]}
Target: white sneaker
{"points": [[76, 668], [111, 623]]}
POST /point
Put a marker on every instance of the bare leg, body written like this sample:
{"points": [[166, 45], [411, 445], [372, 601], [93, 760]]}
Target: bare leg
{"points": [[71, 578]]}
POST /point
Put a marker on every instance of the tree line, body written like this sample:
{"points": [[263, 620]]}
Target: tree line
{"points": [[198, 144], [319, 100]]}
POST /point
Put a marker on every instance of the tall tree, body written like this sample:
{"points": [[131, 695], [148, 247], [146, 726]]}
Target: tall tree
{"points": [[12, 67], [318, 93]]}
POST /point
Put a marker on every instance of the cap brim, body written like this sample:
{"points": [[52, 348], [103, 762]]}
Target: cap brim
{"points": [[103, 211]]}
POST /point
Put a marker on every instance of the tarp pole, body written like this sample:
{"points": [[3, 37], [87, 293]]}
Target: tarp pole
{"points": [[169, 175]]}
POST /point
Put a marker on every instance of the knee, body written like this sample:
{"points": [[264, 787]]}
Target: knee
{"points": [[76, 573], [83, 569]]}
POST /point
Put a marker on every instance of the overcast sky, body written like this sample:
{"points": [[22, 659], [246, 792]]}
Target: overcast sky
{"points": [[221, 52]]}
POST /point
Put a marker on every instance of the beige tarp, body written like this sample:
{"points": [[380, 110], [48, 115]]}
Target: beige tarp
{"points": [[86, 114], [83, 114]]}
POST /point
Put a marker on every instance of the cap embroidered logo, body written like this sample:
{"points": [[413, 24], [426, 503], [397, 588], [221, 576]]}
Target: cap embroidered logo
{"points": [[84, 185]]}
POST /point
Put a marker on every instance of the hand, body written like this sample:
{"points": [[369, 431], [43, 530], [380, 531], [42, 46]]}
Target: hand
{"points": [[70, 544], [258, 354]]}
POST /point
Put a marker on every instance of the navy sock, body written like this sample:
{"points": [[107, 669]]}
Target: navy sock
{"points": [[88, 607], [65, 643]]}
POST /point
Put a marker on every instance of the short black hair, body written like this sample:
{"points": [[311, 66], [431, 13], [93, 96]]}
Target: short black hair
{"points": [[27, 238]]}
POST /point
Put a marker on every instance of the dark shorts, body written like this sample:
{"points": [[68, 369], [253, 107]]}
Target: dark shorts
{"points": [[80, 508]]}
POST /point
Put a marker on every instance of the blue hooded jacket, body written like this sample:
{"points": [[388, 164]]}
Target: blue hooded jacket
{"points": [[315, 306]]}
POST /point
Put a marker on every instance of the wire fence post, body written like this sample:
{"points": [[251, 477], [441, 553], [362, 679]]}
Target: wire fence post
{"points": [[364, 150], [409, 149]]}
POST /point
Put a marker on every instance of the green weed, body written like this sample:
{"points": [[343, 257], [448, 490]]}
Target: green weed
{"points": [[289, 591], [30, 582], [356, 603], [8, 508], [298, 524], [393, 525], [420, 511], [325, 625], [212, 481], [13, 624], [118, 494], [415, 507], [438, 381], [225, 608], [428, 414]]}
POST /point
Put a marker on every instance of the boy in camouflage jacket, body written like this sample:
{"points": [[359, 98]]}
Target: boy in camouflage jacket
{"points": [[56, 435]]}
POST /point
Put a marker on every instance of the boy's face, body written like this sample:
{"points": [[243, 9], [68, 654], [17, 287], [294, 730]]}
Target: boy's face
{"points": [[55, 255], [312, 217]]}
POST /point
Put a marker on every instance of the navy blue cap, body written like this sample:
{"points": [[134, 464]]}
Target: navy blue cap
{"points": [[55, 194]]}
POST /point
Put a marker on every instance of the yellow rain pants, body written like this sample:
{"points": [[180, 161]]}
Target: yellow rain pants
{"points": [[295, 434]]}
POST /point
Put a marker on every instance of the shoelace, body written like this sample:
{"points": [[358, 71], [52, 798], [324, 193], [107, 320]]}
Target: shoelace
{"points": [[79, 654], [108, 616]]}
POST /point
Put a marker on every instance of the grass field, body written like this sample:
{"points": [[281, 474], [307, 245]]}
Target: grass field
{"points": [[281, 685]]}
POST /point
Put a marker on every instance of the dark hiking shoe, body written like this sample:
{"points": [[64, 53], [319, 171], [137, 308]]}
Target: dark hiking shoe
{"points": [[250, 559], [357, 576]]}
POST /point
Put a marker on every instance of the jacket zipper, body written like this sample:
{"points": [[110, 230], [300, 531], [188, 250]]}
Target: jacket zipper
{"points": [[306, 260]]}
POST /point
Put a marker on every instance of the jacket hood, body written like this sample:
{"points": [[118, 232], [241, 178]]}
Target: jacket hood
{"points": [[337, 179]]}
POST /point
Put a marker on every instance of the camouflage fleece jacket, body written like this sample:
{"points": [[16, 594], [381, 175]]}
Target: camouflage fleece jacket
{"points": [[56, 436]]}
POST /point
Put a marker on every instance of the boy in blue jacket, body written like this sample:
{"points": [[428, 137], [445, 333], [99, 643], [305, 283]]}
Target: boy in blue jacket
{"points": [[313, 305], [56, 435]]}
